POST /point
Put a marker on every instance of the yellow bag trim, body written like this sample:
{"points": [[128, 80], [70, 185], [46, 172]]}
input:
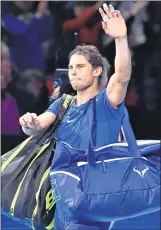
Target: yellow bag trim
{"points": [[8, 161], [51, 225], [19, 187], [38, 192]]}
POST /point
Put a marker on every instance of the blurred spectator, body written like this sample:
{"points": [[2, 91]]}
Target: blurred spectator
{"points": [[134, 14], [31, 91], [10, 128], [86, 23], [83, 27], [132, 98], [26, 32], [60, 84]]}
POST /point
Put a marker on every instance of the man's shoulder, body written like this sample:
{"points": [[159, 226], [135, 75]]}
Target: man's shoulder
{"points": [[101, 96], [103, 103]]}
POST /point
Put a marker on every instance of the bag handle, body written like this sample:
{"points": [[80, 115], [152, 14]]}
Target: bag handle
{"points": [[129, 134]]}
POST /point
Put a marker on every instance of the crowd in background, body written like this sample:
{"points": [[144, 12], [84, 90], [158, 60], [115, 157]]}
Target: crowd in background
{"points": [[37, 37]]}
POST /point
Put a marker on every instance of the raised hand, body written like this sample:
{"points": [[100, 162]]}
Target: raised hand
{"points": [[113, 23]]}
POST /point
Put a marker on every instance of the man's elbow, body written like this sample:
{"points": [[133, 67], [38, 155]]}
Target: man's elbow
{"points": [[123, 77]]}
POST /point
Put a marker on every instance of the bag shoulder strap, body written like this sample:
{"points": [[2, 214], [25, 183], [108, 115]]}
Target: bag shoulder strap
{"points": [[65, 103]]}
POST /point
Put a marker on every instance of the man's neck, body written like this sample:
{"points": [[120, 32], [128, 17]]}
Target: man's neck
{"points": [[86, 95]]}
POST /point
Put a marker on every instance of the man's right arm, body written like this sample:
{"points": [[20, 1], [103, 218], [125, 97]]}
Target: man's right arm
{"points": [[31, 123]]}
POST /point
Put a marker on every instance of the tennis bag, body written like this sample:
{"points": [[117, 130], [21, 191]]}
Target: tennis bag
{"points": [[26, 187], [114, 182]]}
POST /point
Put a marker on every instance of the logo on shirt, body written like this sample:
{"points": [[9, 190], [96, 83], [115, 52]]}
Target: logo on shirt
{"points": [[141, 173], [69, 121]]}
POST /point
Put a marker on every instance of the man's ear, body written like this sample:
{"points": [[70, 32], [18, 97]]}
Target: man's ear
{"points": [[98, 71]]}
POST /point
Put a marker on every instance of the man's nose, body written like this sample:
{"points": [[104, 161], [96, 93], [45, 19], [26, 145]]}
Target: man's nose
{"points": [[73, 72]]}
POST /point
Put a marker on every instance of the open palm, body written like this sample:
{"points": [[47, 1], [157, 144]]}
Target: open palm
{"points": [[115, 25]]}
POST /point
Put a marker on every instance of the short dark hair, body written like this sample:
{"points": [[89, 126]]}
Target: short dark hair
{"points": [[93, 56], [91, 53]]}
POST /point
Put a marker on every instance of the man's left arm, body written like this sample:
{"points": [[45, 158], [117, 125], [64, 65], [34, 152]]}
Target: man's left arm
{"points": [[118, 83], [115, 26]]}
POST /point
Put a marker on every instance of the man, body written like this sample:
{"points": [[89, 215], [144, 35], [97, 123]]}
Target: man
{"points": [[85, 69]]}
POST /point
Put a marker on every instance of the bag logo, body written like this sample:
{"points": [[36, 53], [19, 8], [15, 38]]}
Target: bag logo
{"points": [[141, 173], [55, 190], [50, 201], [66, 102]]}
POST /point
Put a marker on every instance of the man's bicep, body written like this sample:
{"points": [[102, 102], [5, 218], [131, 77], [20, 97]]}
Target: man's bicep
{"points": [[116, 91]]}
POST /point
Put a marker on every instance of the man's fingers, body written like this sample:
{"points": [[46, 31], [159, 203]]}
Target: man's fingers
{"points": [[22, 122], [102, 12], [25, 118], [34, 116], [111, 8], [29, 119], [113, 11], [119, 14], [107, 10], [116, 13], [32, 119]]}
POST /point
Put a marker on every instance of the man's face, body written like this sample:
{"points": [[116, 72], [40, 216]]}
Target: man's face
{"points": [[81, 73]]}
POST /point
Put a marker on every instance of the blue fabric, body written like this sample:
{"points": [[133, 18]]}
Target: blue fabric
{"points": [[25, 40], [148, 222], [75, 127], [62, 223], [109, 188]]}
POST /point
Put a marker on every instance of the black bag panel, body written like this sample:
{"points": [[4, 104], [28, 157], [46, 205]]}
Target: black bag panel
{"points": [[26, 192], [24, 165], [20, 151], [10, 178], [8, 154], [9, 191], [11, 169], [29, 183]]}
